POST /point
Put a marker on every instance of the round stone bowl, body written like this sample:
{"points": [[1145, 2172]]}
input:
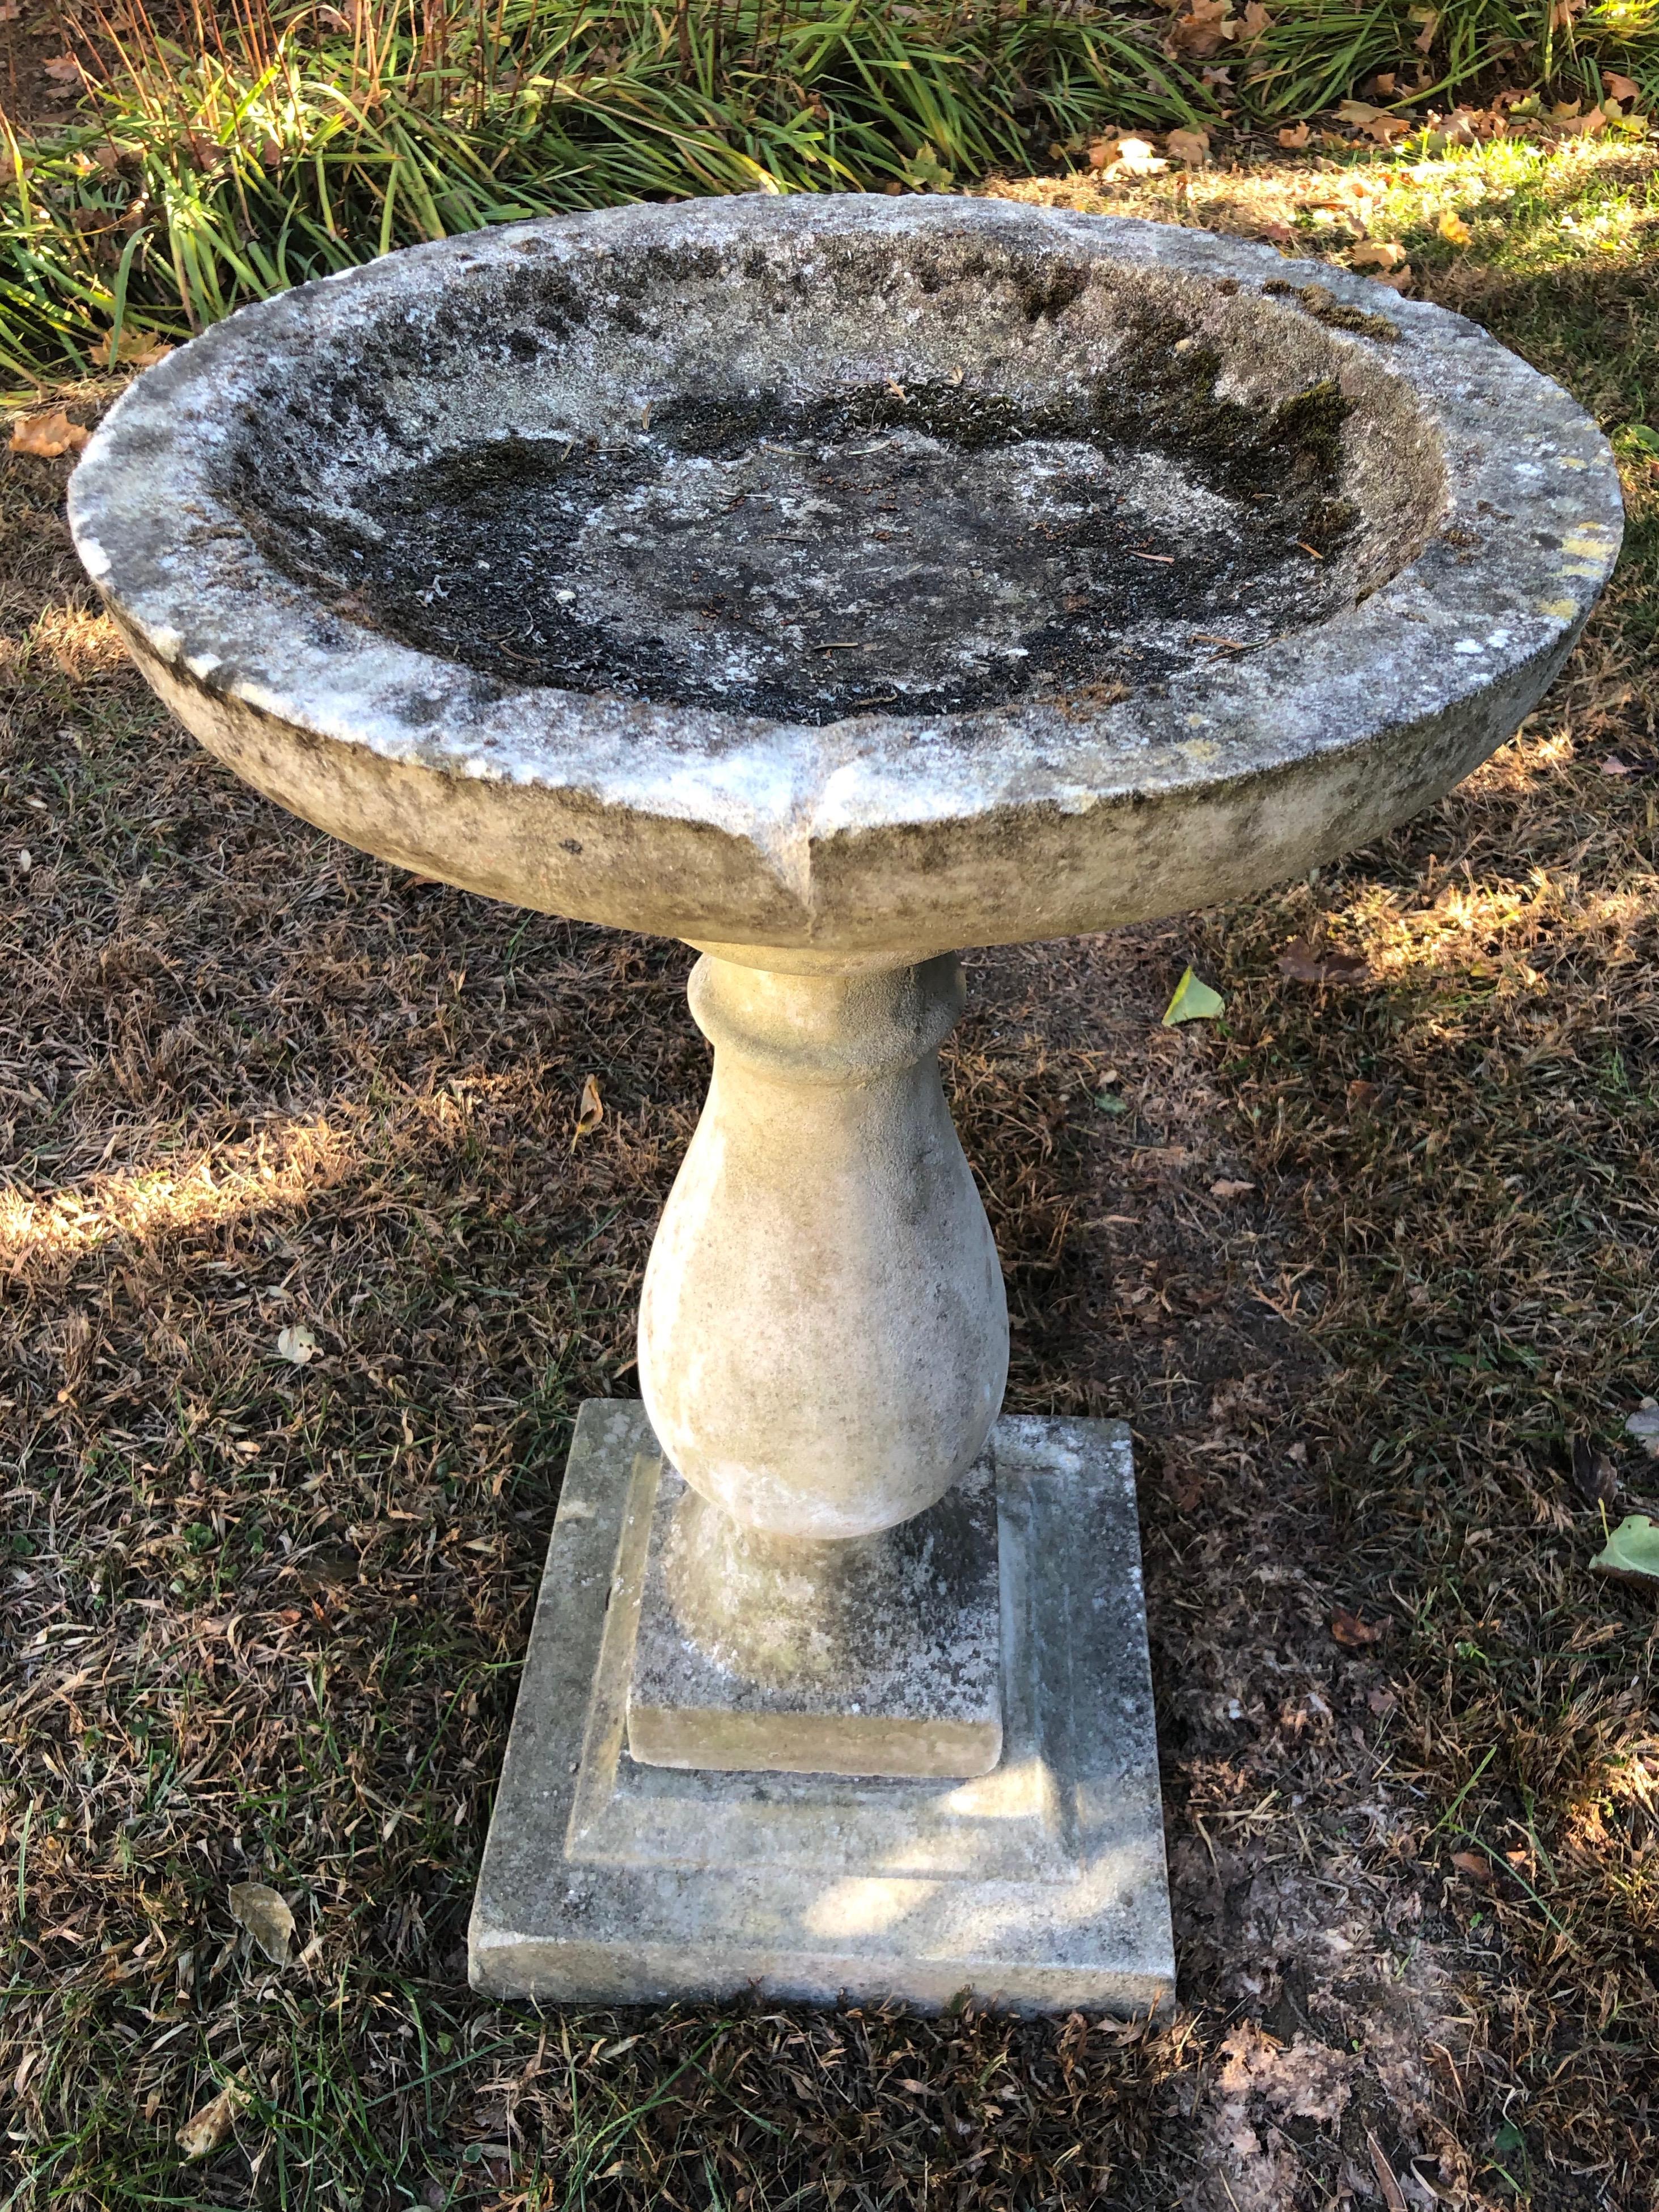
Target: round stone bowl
{"points": [[849, 578]]}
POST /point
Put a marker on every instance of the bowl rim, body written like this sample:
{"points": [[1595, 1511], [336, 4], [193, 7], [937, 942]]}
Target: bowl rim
{"points": [[1529, 533]]}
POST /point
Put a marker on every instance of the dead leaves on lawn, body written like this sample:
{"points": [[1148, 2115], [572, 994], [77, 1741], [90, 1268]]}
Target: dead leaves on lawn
{"points": [[266, 1914], [1301, 964], [48, 436], [591, 1112], [1352, 1632], [209, 2129]]}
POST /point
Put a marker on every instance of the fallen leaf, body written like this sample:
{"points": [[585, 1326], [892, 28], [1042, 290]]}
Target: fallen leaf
{"points": [[1225, 1188], [591, 1113], [1377, 253], [1375, 121], [135, 347], [1625, 88], [206, 2129], [1593, 1475], [1137, 157], [1631, 1554], [9, 11], [1453, 228], [1303, 965], [1360, 111], [1109, 1102], [1397, 280], [1193, 1002], [1203, 30], [297, 1344], [64, 69], [1425, 38], [1644, 1425], [1276, 233], [265, 1915], [1393, 2196], [1474, 1867], [1352, 1633], [1296, 137], [1256, 20], [1190, 148], [48, 435]]}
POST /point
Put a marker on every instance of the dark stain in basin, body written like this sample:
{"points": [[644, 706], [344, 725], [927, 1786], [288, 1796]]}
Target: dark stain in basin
{"points": [[937, 546]]}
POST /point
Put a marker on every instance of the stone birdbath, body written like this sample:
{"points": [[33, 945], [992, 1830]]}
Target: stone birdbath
{"points": [[831, 583]]}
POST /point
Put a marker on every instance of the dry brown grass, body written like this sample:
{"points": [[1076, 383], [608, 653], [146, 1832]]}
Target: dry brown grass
{"points": [[262, 1620]]}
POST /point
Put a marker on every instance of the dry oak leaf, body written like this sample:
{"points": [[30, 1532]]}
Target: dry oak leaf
{"points": [[1352, 1633], [1474, 1867], [48, 435], [64, 69], [205, 2130], [591, 1112], [1296, 137], [1303, 965], [264, 1913], [1203, 29], [1190, 148], [1623, 88], [1378, 253], [1380, 126], [135, 347], [1226, 1188], [1593, 1474], [1453, 228]]}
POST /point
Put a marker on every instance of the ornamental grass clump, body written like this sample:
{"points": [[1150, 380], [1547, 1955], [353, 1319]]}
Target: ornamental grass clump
{"points": [[222, 157]]}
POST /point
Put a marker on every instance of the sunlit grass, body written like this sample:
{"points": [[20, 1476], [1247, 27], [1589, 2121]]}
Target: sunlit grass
{"points": [[278, 142]]}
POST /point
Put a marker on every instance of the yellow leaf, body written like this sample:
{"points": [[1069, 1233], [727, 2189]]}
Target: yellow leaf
{"points": [[1453, 228], [1378, 253]]}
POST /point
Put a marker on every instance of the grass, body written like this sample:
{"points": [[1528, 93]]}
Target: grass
{"points": [[261, 143], [262, 1619]]}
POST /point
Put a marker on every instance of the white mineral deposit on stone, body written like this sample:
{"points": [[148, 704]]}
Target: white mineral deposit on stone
{"points": [[831, 583]]}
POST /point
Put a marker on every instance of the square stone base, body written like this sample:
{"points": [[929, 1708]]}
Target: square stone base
{"points": [[1040, 1886], [891, 1663]]}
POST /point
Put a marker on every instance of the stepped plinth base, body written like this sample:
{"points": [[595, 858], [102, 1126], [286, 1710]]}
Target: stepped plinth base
{"points": [[1040, 1885]]}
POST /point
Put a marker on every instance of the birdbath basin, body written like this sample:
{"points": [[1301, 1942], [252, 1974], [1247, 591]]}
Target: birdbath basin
{"points": [[831, 583]]}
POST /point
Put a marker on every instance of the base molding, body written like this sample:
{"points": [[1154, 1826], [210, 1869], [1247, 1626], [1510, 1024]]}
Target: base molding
{"points": [[1040, 1886]]}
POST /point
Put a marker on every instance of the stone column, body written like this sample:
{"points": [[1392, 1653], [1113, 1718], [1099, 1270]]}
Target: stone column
{"points": [[823, 1342], [823, 1334]]}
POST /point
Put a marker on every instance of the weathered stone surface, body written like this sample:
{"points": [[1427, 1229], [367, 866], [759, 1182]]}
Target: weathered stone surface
{"points": [[875, 1654], [1040, 1886], [861, 575], [824, 1333]]}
